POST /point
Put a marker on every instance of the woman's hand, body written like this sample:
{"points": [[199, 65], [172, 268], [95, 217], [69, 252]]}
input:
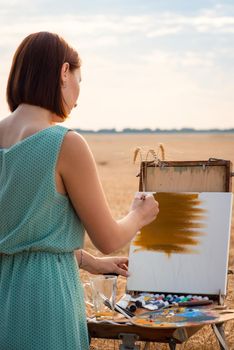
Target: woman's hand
{"points": [[146, 208], [105, 265], [115, 264]]}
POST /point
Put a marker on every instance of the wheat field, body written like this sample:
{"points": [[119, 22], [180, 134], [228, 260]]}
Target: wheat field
{"points": [[114, 157]]}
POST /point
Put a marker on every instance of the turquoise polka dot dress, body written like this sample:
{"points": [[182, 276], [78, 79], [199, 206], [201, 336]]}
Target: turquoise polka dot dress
{"points": [[41, 296]]}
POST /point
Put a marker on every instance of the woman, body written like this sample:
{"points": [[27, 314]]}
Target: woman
{"points": [[50, 192]]}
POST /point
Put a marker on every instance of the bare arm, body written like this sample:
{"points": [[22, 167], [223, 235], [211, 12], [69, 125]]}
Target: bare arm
{"points": [[103, 265], [78, 171]]}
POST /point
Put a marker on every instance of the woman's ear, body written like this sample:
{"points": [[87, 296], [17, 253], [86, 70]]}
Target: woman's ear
{"points": [[64, 73]]}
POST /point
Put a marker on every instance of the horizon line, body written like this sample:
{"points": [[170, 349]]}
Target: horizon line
{"points": [[152, 131]]}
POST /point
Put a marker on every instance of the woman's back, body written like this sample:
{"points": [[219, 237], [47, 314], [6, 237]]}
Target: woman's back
{"points": [[28, 190]]}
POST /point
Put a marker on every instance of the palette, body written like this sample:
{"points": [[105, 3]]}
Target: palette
{"points": [[181, 317]]}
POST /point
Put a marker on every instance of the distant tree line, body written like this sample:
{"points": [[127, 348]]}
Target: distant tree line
{"points": [[153, 131]]}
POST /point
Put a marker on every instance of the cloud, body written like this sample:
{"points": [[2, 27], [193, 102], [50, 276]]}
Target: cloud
{"points": [[164, 31], [181, 60], [150, 25], [185, 81], [101, 31]]}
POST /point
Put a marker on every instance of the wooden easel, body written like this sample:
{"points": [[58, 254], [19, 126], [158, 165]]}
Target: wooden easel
{"points": [[213, 175]]}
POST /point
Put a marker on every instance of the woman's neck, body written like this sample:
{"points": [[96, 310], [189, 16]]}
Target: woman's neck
{"points": [[26, 113]]}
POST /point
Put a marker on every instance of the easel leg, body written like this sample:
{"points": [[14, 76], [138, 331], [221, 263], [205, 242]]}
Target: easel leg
{"points": [[220, 335], [172, 344], [128, 341], [147, 346]]}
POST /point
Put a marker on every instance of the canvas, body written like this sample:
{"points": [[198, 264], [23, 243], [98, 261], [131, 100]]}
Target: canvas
{"points": [[185, 250]]}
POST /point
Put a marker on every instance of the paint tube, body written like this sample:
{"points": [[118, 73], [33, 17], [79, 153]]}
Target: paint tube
{"points": [[124, 301]]}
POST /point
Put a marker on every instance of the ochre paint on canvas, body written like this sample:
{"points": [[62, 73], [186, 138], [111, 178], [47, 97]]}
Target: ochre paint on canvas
{"points": [[177, 228]]}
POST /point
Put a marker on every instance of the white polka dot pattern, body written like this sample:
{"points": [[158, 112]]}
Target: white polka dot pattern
{"points": [[41, 297]]}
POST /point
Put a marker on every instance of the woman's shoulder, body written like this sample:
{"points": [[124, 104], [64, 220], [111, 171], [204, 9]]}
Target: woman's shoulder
{"points": [[74, 150], [4, 130], [73, 140], [4, 122]]}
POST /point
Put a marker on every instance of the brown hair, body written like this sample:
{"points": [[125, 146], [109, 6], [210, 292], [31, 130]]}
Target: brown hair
{"points": [[35, 72]]}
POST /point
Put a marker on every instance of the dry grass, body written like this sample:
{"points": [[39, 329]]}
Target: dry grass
{"points": [[118, 176]]}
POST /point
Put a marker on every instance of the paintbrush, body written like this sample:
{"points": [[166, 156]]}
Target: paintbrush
{"points": [[126, 313]]}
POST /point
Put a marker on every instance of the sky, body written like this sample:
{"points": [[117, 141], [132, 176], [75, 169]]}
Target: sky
{"points": [[152, 63]]}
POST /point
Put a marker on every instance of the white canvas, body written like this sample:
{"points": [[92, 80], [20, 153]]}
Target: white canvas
{"points": [[203, 272]]}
